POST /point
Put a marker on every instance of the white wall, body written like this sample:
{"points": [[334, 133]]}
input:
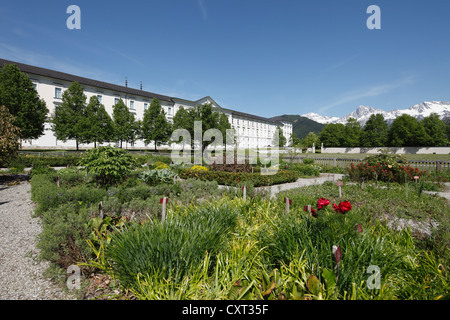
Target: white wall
{"points": [[252, 133]]}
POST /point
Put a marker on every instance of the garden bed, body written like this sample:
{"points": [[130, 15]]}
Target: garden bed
{"points": [[262, 245], [211, 244]]}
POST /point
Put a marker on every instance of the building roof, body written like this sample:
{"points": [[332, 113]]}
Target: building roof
{"points": [[83, 81], [109, 86]]}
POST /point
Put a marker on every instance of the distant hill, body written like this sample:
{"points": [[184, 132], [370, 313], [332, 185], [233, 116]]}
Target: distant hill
{"points": [[302, 125]]}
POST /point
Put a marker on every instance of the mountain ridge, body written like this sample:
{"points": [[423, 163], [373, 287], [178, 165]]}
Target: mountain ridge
{"points": [[363, 113]]}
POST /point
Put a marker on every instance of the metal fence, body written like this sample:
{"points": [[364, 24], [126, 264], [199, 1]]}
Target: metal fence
{"points": [[426, 165]]}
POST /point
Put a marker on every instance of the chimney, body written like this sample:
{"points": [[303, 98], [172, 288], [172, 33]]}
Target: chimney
{"points": [[141, 85], [126, 82]]}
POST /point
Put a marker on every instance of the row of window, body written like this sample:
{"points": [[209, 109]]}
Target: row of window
{"points": [[58, 95]]}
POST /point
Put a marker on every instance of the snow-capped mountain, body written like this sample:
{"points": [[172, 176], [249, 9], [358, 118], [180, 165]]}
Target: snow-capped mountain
{"points": [[363, 113], [320, 119]]}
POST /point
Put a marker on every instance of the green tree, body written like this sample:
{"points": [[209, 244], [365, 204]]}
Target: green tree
{"points": [[352, 133], [279, 137], [211, 119], [124, 123], [68, 119], [9, 136], [96, 125], [19, 96], [295, 140], [109, 165], [155, 126], [407, 131], [333, 135], [309, 140], [436, 130], [375, 132]]}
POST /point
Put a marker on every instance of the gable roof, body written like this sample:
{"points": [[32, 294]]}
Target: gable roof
{"points": [[83, 81]]}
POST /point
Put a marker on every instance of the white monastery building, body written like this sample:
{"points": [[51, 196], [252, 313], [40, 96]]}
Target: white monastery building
{"points": [[252, 131]]}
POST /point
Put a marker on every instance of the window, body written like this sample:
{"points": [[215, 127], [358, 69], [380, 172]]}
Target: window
{"points": [[58, 93], [169, 111], [116, 100], [145, 106], [100, 98], [35, 86], [131, 105]]}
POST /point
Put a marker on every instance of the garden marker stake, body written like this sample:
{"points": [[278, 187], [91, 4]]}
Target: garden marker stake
{"points": [[338, 255], [416, 178], [244, 192], [100, 209], [288, 203], [164, 202], [58, 179], [340, 184]]}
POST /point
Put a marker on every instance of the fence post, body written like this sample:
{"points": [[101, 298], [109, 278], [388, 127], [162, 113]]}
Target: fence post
{"points": [[438, 166], [335, 162]]}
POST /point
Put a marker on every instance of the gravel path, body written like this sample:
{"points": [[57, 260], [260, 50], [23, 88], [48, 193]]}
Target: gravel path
{"points": [[20, 274]]}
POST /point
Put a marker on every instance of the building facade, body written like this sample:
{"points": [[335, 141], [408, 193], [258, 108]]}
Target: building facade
{"points": [[252, 131]]}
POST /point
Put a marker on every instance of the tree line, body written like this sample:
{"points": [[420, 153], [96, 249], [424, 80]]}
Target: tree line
{"points": [[404, 131]]}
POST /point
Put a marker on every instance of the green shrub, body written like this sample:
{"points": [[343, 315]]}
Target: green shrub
{"points": [[305, 169], [308, 161], [157, 176], [28, 161], [45, 192], [41, 168], [64, 234], [169, 249], [109, 165], [235, 178]]}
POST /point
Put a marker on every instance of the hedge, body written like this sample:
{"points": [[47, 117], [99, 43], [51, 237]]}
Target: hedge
{"points": [[29, 161], [236, 178]]}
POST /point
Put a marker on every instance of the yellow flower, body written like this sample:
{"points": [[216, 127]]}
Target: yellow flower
{"points": [[199, 168]]}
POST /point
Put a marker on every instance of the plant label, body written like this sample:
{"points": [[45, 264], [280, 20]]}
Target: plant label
{"points": [[244, 192], [338, 254], [359, 228], [164, 202], [340, 184], [416, 178], [288, 203]]}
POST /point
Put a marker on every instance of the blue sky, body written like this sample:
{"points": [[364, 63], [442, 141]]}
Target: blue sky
{"points": [[257, 56]]}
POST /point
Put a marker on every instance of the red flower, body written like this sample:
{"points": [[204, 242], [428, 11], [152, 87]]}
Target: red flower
{"points": [[343, 207], [313, 213], [322, 202]]}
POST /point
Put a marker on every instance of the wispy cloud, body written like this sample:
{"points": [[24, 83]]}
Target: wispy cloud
{"points": [[44, 60], [201, 5], [342, 63], [126, 56], [372, 91]]}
